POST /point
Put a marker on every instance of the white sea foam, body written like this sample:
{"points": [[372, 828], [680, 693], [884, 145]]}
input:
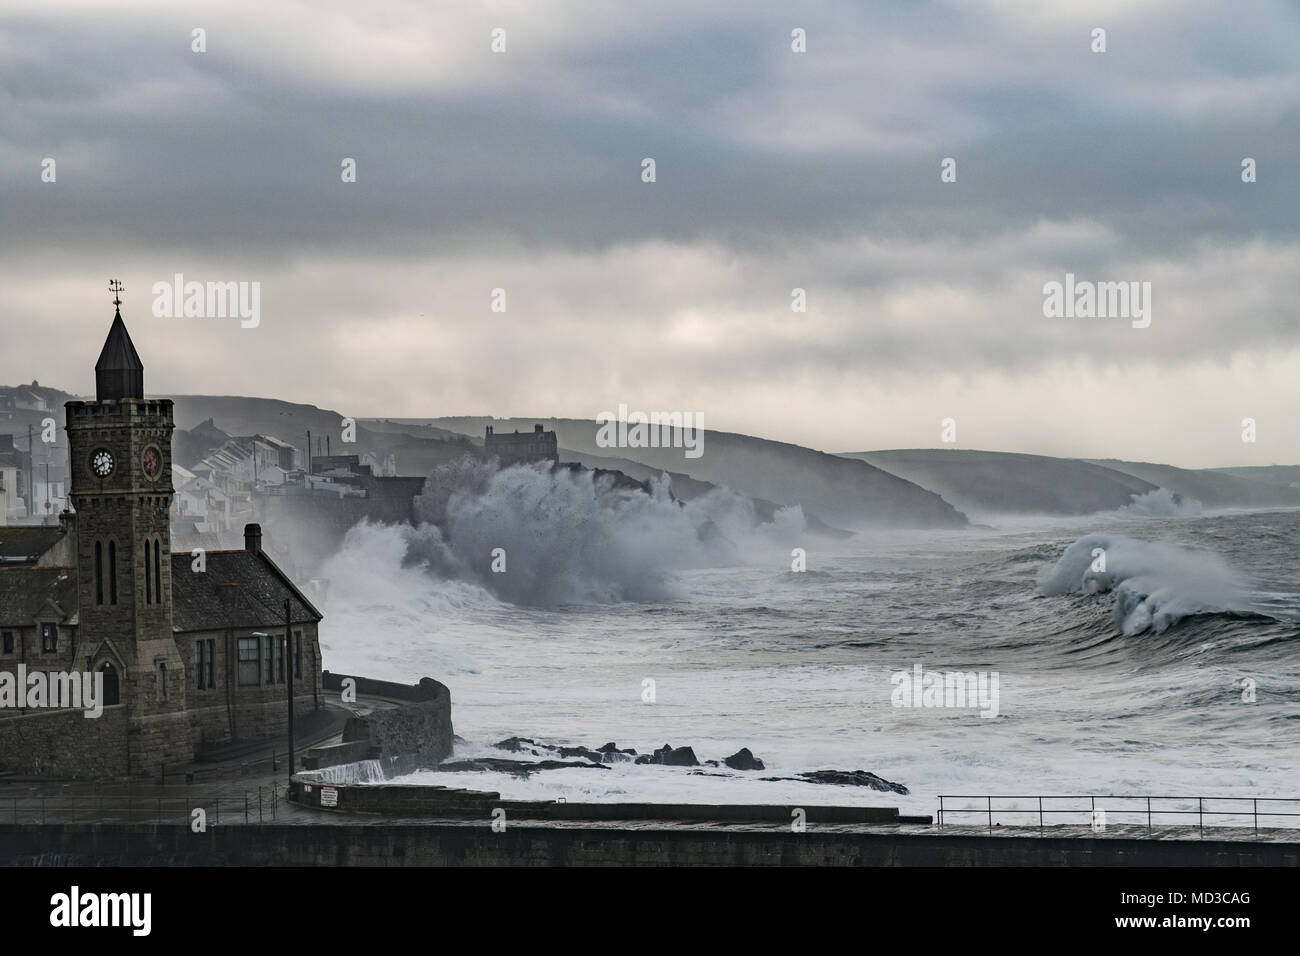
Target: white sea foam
{"points": [[1162, 503], [1155, 584]]}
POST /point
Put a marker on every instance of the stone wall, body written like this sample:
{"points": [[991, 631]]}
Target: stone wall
{"points": [[423, 844], [419, 730], [64, 743]]}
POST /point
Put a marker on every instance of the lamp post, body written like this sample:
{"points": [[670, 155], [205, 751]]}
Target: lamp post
{"points": [[288, 666], [287, 663]]}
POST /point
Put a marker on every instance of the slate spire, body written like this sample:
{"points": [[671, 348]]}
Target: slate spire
{"points": [[119, 373]]}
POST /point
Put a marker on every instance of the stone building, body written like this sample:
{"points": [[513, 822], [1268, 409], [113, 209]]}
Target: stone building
{"points": [[193, 649], [513, 447]]}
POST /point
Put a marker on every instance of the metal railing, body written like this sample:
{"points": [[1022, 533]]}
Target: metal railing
{"points": [[159, 805], [1151, 810]]}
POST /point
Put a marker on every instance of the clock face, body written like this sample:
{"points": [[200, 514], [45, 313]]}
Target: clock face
{"points": [[151, 460], [101, 463]]}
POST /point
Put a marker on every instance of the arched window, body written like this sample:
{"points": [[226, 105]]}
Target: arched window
{"points": [[112, 572], [112, 694], [148, 574], [99, 572], [157, 570]]}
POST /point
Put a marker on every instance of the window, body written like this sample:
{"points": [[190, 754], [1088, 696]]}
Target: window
{"points": [[297, 653], [200, 663], [50, 638], [248, 660], [148, 574], [269, 643], [112, 572], [99, 572], [162, 681], [157, 571], [8, 637], [211, 666]]}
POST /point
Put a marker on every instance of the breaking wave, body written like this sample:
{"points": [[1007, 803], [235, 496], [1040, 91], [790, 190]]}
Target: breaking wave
{"points": [[1155, 585], [1161, 503], [532, 535]]}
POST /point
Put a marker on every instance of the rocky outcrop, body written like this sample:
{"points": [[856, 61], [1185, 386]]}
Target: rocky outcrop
{"points": [[742, 759]]}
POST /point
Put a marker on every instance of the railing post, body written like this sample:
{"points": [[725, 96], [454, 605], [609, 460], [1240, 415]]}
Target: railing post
{"points": [[1200, 815], [1255, 814], [1040, 816], [990, 799], [940, 809], [1148, 814]]}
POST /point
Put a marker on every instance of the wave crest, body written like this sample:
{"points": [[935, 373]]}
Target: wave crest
{"points": [[1155, 584]]}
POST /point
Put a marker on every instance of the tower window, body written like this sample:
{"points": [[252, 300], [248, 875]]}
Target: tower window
{"points": [[157, 570], [148, 575], [99, 572], [162, 681], [112, 572]]}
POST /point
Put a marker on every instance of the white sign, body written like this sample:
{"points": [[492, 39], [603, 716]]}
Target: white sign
{"points": [[329, 796]]}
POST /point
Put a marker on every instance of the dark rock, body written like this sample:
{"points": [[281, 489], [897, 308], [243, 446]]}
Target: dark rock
{"points": [[853, 778], [644, 758], [742, 759], [712, 763], [519, 768], [517, 744], [681, 757]]}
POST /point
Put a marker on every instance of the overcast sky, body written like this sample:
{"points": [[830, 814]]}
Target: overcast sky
{"points": [[522, 170]]}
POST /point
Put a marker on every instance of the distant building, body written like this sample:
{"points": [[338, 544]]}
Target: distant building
{"points": [[512, 448]]}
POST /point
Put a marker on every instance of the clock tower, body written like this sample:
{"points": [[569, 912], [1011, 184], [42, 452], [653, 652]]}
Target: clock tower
{"points": [[121, 489]]}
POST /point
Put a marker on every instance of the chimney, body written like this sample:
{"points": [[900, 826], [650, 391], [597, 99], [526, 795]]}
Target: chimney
{"points": [[253, 538]]}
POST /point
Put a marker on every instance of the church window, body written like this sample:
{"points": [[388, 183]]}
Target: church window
{"points": [[157, 570], [148, 575], [49, 638], [112, 572], [99, 572], [162, 681], [8, 641]]}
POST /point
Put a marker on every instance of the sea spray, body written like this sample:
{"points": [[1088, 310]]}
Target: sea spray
{"points": [[1155, 584]]}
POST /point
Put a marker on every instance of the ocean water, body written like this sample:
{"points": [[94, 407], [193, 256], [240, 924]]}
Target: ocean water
{"points": [[1132, 680]]}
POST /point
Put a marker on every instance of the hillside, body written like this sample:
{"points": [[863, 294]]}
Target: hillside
{"points": [[1214, 489], [1009, 483], [841, 491]]}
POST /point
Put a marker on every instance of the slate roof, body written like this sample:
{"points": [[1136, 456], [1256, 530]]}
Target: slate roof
{"points": [[119, 373], [239, 589], [27, 542], [25, 591]]}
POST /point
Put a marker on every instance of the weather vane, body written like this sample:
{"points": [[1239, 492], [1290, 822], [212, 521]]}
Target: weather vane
{"points": [[115, 287]]}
